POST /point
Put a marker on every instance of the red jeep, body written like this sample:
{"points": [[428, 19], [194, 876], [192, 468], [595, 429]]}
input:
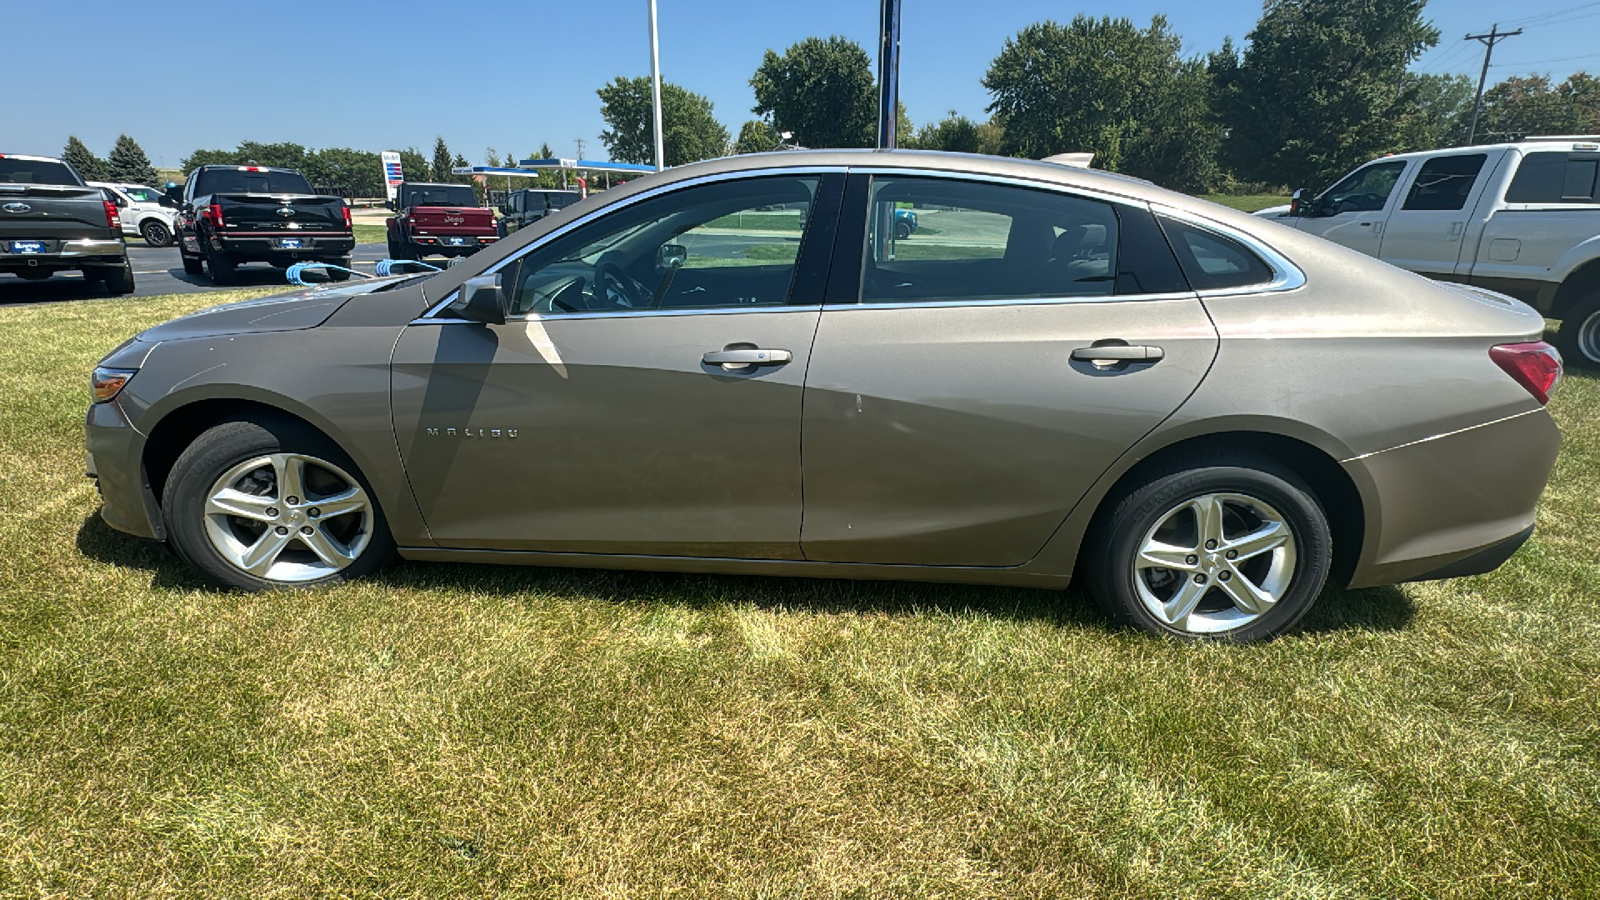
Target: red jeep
{"points": [[438, 219]]}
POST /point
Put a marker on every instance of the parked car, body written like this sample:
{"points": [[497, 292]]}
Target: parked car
{"points": [[1206, 416], [442, 219], [523, 208], [143, 213], [232, 215], [905, 223], [1522, 219], [52, 221]]}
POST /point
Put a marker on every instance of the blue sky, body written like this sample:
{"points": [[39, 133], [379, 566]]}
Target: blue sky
{"points": [[181, 75]]}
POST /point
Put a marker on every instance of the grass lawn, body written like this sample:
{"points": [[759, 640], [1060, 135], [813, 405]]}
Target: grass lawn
{"points": [[371, 234], [448, 731], [1247, 202]]}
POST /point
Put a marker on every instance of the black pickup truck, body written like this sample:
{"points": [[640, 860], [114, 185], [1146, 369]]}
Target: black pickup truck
{"points": [[51, 221], [229, 215]]}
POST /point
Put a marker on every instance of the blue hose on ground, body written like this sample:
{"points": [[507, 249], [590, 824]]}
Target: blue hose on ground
{"points": [[385, 268]]}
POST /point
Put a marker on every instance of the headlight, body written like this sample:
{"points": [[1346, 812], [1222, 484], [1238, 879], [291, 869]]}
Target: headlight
{"points": [[106, 383]]}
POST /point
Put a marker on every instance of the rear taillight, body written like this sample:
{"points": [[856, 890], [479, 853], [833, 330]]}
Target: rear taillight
{"points": [[1534, 365], [216, 215], [113, 217], [346, 216]]}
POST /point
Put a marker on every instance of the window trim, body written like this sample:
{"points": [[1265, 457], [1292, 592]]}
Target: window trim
{"points": [[1286, 276], [434, 313]]}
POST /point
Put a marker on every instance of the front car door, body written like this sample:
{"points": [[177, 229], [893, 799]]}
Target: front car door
{"points": [[1425, 233], [644, 396], [1353, 211], [956, 409]]}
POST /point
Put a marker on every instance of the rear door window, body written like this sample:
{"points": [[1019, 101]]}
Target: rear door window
{"points": [[1445, 182], [1213, 262], [1556, 177]]}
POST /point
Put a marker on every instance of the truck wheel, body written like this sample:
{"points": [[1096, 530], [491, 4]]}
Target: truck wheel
{"points": [[394, 249], [222, 268], [337, 275], [156, 233], [1579, 337], [119, 282], [191, 265]]}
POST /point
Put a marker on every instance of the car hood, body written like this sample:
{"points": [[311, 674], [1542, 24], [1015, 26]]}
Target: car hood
{"points": [[287, 312]]}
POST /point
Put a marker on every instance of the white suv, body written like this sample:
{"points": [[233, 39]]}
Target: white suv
{"points": [[142, 212]]}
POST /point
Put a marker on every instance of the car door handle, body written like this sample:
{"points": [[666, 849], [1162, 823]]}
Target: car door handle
{"points": [[1119, 353], [747, 356]]}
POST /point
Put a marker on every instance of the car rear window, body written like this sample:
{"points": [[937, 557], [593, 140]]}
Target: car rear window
{"points": [[240, 181], [1556, 177], [36, 171], [441, 195], [1213, 262]]}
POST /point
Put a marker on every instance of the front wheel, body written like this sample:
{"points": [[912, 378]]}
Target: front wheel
{"points": [[1237, 550], [1579, 337], [156, 233], [260, 506]]}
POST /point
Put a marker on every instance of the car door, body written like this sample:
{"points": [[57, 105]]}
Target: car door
{"points": [[1425, 233], [972, 380], [1353, 211], [615, 412]]}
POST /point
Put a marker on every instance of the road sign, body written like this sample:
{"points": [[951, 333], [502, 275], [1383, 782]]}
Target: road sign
{"points": [[392, 176]]}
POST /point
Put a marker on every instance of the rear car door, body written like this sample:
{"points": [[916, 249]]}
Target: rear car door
{"points": [[644, 397], [1426, 233], [957, 405], [1353, 211]]}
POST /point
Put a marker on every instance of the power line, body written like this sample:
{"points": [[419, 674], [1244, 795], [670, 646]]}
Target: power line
{"points": [[1550, 15], [1540, 62], [1488, 41]]}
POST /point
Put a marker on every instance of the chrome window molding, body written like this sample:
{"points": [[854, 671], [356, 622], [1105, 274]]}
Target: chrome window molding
{"points": [[637, 198], [1088, 193], [1022, 301], [1286, 276]]}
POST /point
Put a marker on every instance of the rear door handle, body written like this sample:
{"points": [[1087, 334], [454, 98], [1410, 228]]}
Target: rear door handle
{"points": [[746, 356], [1119, 353]]}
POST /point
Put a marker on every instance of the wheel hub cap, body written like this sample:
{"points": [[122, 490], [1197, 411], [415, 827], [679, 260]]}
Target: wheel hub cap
{"points": [[288, 517], [1215, 563]]}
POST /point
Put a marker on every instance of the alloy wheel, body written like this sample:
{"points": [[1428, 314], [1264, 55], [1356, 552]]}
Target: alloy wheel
{"points": [[288, 517], [1215, 563], [1589, 338]]}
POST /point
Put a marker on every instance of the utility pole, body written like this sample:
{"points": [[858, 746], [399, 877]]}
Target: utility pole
{"points": [[655, 87], [888, 73], [580, 142], [1488, 41]]}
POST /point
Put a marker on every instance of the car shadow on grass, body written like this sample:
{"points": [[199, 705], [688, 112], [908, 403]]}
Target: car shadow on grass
{"points": [[1369, 609]]}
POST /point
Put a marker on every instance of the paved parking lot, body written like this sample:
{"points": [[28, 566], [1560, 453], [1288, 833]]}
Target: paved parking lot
{"points": [[158, 271]]}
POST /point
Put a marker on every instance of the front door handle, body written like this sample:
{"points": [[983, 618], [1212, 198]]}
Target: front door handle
{"points": [[733, 359], [1115, 353]]}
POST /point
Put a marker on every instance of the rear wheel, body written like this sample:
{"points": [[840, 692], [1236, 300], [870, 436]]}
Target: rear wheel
{"points": [[1236, 550], [1579, 337], [191, 264], [272, 505], [336, 274], [156, 233], [119, 281], [222, 267]]}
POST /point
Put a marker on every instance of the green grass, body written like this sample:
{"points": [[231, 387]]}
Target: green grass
{"points": [[448, 731], [371, 234], [1247, 202], [774, 221]]}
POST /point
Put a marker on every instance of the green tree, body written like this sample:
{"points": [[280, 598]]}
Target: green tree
{"points": [[991, 138], [1438, 113], [822, 91], [689, 130], [956, 133], [1522, 106], [91, 167], [208, 158], [349, 173], [439, 171], [286, 155], [1108, 87], [1321, 88], [413, 165], [129, 164], [459, 162], [756, 136]]}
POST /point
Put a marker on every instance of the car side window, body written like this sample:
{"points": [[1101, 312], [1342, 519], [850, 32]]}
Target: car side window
{"points": [[943, 239], [726, 244], [1445, 182], [1556, 177], [1213, 262], [1364, 190]]}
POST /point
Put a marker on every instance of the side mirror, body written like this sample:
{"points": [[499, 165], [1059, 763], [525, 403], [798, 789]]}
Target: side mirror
{"points": [[121, 200], [482, 301], [672, 256], [173, 195], [1299, 202]]}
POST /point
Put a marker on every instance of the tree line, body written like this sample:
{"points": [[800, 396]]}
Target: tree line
{"points": [[1322, 86]]}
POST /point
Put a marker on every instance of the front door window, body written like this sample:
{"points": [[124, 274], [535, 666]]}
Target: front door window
{"points": [[1364, 190]]}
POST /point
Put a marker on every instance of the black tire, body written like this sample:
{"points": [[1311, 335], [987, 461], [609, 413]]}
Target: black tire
{"points": [[1113, 547], [156, 233], [1579, 337], [222, 268], [192, 265], [902, 230], [230, 444], [119, 281], [394, 249], [336, 274]]}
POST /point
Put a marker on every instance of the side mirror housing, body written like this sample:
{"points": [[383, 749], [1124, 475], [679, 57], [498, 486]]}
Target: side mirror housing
{"points": [[173, 195], [482, 301], [672, 256], [1299, 202]]}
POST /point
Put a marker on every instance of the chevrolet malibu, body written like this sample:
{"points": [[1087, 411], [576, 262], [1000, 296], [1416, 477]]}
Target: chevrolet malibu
{"points": [[746, 365]]}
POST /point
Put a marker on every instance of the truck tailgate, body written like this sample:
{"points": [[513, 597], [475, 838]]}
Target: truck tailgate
{"points": [[278, 212], [52, 212]]}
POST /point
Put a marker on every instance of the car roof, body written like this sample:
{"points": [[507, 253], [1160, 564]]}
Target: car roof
{"points": [[248, 168], [1554, 142], [434, 184]]}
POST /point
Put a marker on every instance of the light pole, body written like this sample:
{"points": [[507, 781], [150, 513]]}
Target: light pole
{"points": [[655, 86], [888, 73]]}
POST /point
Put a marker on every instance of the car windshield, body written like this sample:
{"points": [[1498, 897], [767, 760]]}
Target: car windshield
{"points": [[243, 181], [561, 200], [35, 171], [441, 195], [143, 194]]}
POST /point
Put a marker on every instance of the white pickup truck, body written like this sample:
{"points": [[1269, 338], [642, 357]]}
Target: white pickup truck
{"points": [[1522, 219]]}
